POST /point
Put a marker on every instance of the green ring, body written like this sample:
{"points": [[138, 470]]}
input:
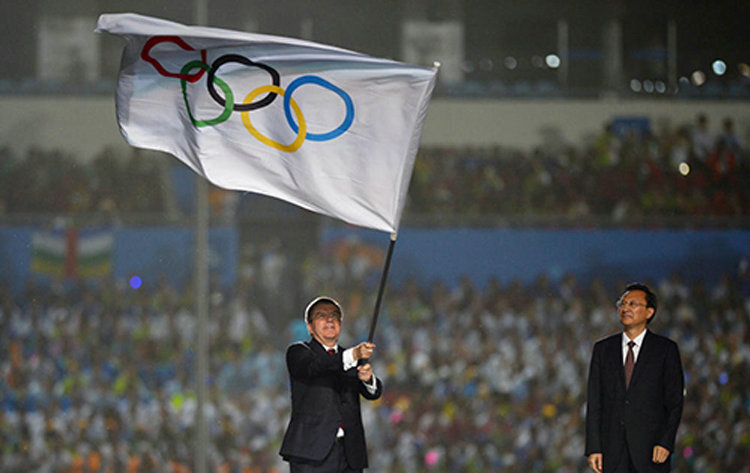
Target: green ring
{"points": [[228, 96]]}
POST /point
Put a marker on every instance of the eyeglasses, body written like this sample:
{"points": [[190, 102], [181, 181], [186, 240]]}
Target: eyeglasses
{"points": [[632, 304], [334, 315]]}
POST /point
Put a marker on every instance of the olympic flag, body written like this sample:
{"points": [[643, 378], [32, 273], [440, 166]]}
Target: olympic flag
{"points": [[327, 129]]}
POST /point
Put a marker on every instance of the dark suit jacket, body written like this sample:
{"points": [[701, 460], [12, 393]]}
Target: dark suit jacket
{"points": [[324, 396], [646, 414]]}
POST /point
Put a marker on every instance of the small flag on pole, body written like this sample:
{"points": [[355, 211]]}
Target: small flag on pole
{"points": [[327, 129]]}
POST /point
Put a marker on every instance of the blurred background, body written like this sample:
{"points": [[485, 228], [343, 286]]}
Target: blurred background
{"points": [[570, 148]]}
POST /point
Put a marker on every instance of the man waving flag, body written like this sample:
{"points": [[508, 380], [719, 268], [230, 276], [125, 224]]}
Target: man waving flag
{"points": [[330, 130]]}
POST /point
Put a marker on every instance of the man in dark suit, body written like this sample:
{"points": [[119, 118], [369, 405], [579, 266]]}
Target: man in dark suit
{"points": [[325, 433], [635, 392]]}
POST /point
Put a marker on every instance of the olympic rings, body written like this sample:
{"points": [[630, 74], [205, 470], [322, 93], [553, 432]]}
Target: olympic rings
{"points": [[154, 40], [224, 87], [296, 123], [290, 148], [242, 60], [348, 119]]}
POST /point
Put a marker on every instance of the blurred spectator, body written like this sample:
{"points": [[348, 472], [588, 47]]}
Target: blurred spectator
{"points": [[729, 137], [702, 139]]}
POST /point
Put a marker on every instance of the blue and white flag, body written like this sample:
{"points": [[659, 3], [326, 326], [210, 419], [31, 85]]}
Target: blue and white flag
{"points": [[330, 130]]}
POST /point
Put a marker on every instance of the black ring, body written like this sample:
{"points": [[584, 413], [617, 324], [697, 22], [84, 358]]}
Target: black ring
{"points": [[242, 107]]}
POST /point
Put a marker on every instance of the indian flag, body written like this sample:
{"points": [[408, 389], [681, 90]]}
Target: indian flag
{"points": [[72, 254]]}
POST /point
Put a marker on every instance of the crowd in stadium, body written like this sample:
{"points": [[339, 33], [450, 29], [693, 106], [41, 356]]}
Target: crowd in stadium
{"points": [[102, 378], [681, 171], [56, 182]]}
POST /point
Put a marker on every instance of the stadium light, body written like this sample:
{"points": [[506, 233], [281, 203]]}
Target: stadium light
{"points": [[719, 67], [552, 60], [698, 78]]}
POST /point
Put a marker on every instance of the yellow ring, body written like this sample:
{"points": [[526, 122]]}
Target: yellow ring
{"points": [[302, 133]]}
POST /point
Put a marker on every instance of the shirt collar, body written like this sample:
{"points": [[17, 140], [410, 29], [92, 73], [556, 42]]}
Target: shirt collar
{"points": [[325, 347], [638, 340]]}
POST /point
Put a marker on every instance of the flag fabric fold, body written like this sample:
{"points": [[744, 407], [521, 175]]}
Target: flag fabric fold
{"points": [[330, 130]]}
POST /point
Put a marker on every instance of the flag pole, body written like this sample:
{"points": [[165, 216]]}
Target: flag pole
{"points": [[202, 211], [381, 289]]}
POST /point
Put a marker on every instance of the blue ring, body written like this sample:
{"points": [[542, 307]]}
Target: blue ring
{"points": [[323, 83]]}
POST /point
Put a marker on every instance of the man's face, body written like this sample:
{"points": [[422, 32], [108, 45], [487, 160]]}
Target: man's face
{"points": [[325, 323], [633, 311]]}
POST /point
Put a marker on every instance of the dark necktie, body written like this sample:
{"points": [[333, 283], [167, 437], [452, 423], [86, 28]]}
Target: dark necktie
{"points": [[629, 364]]}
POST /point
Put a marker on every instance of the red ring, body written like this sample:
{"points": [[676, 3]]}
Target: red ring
{"points": [[154, 40]]}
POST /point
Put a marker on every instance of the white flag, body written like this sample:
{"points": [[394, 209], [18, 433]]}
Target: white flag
{"points": [[329, 130]]}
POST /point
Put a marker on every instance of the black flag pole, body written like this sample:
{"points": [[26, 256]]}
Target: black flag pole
{"points": [[381, 289]]}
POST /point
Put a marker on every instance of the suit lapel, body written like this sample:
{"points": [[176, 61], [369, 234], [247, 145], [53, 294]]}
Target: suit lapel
{"points": [[316, 346], [612, 359], [320, 350], [615, 361]]}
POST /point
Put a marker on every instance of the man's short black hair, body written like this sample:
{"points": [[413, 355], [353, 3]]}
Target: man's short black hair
{"points": [[651, 300]]}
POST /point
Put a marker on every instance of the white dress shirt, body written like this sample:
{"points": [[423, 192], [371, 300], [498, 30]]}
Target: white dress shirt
{"points": [[636, 348]]}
